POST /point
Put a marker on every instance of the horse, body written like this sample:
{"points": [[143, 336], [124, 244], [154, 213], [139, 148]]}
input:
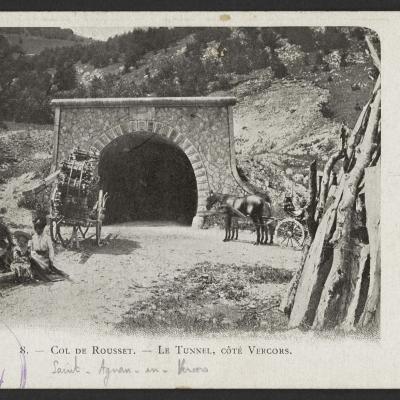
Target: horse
{"points": [[230, 222], [253, 206]]}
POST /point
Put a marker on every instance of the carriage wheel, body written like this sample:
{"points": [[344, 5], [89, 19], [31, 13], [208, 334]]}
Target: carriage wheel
{"points": [[84, 230], [290, 232], [65, 233], [99, 217], [54, 222], [98, 233]]}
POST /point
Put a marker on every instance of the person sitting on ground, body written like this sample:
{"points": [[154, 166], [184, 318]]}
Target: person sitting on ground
{"points": [[41, 252], [21, 266], [7, 245]]}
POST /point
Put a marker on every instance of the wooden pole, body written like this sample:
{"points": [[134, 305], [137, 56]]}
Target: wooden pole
{"points": [[325, 181], [370, 314], [312, 204], [288, 299], [316, 268], [359, 128], [373, 53], [46, 182]]}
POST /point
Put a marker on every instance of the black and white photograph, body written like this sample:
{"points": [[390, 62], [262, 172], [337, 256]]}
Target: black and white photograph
{"points": [[193, 182]]}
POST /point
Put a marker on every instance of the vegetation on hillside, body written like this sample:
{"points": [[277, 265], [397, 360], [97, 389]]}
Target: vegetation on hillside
{"points": [[48, 33], [34, 40], [212, 59]]}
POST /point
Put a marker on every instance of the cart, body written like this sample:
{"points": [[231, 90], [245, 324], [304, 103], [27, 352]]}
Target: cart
{"points": [[288, 232], [77, 203]]}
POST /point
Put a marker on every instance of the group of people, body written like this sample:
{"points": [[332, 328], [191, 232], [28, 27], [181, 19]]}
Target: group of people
{"points": [[35, 262]]}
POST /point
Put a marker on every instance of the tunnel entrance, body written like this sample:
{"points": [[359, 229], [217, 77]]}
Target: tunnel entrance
{"points": [[148, 178]]}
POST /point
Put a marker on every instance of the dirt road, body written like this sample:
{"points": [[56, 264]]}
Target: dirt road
{"points": [[140, 268]]}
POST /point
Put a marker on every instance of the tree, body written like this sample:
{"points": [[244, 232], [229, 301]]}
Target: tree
{"points": [[132, 55], [277, 66], [332, 39], [270, 38], [302, 36], [12, 63], [65, 76]]}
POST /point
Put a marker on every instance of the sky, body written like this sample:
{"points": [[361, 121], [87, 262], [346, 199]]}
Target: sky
{"points": [[100, 33]]}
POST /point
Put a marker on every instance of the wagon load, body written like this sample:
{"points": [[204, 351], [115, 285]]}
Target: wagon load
{"points": [[77, 202], [73, 197]]}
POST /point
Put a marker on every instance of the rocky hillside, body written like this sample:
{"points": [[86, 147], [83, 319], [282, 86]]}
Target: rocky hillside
{"points": [[25, 158], [281, 125]]}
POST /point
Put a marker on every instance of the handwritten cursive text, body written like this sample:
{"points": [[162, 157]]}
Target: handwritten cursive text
{"points": [[107, 371]]}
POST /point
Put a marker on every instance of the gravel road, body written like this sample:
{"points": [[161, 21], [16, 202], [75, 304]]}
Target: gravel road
{"points": [[106, 281]]}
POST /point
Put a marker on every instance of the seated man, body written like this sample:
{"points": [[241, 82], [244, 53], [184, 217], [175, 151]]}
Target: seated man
{"points": [[288, 205], [289, 208]]}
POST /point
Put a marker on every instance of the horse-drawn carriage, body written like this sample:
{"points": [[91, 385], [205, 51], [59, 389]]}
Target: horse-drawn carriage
{"points": [[77, 203], [254, 211]]}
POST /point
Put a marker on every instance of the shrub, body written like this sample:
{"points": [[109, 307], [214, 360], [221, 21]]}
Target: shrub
{"points": [[319, 57], [242, 65], [278, 67], [223, 82], [270, 38], [332, 39], [326, 110], [65, 76], [43, 168], [241, 173], [38, 203], [343, 58], [357, 33], [330, 145], [301, 36], [213, 220]]}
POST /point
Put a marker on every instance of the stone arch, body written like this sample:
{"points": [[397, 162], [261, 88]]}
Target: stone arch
{"points": [[171, 134]]}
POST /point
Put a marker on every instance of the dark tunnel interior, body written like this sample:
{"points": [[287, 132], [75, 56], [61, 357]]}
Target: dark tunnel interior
{"points": [[148, 178]]}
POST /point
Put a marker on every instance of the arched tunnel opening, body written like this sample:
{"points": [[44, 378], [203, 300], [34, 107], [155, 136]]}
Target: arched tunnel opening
{"points": [[148, 178]]}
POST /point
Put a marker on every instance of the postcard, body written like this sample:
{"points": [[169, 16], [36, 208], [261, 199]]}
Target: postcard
{"points": [[194, 200]]}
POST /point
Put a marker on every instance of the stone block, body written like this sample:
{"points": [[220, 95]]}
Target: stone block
{"points": [[142, 125], [132, 126], [198, 222]]}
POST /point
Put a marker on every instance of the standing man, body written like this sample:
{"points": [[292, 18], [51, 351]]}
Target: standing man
{"points": [[344, 134]]}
